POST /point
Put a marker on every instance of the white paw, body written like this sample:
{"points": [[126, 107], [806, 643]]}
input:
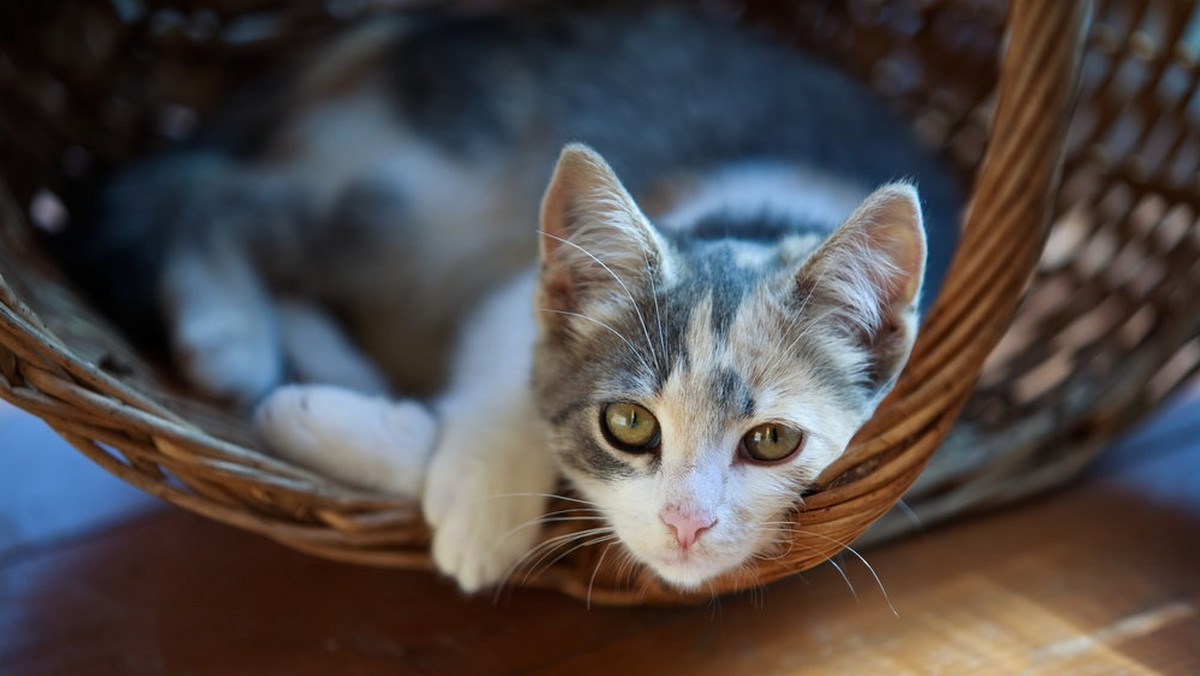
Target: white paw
{"points": [[479, 542], [228, 355], [366, 441], [485, 496]]}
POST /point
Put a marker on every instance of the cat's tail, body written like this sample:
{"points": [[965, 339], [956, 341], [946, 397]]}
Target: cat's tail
{"points": [[114, 248]]}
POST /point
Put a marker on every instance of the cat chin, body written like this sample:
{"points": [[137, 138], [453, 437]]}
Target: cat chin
{"points": [[689, 575], [684, 579], [688, 571]]}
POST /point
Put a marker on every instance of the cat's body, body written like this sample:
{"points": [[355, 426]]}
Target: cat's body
{"points": [[401, 186]]}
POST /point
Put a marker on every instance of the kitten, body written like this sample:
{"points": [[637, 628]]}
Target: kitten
{"points": [[724, 292]]}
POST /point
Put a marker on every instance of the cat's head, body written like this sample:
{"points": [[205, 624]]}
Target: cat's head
{"points": [[694, 390]]}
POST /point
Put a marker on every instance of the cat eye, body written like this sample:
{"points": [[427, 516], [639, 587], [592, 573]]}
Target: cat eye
{"points": [[631, 428], [772, 442]]}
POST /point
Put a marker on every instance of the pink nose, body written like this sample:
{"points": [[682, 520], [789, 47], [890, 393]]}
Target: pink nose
{"points": [[687, 525]]}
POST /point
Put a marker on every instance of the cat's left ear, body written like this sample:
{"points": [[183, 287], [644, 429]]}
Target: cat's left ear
{"points": [[866, 279], [596, 244]]}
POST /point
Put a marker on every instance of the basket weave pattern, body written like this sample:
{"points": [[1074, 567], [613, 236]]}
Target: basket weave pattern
{"points": [[91, 87]]}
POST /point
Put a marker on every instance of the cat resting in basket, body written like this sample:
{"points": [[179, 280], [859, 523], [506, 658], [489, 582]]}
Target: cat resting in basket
{"points": [[733, 257]]}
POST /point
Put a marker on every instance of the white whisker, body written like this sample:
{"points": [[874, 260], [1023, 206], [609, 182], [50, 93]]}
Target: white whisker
{"points": [[549, 546], [537, 568], [592, 580], [871, 569], [554, 496], [546, 548], [845, 578], [616, 333], [632, 301], [911, 514], [551, 517], [662, 341]]}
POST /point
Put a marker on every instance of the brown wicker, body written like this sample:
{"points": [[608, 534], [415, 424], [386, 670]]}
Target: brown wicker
{"points": [[1110, 326]]}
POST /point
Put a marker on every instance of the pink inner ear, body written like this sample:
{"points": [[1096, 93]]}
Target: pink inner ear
{"points": [[870, 269], [906, 248], [893, 227], [573, 176], [580, 175], [595, 240], [556, 204]]}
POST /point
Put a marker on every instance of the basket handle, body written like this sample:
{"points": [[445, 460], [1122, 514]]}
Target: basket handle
{"points": [[1007, 222]]}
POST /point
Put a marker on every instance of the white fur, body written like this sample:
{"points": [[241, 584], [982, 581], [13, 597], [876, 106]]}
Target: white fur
{"points": [[486, 485], [460, 210], [223, 333], [366, 441], [406, 287], [319, 351], [746, 191], [492, 471]]}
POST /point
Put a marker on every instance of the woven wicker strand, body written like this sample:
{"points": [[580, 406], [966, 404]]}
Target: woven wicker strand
{"points": [[1110, 325]]}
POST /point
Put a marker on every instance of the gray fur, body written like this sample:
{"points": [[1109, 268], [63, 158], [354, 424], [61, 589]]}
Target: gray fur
{"points": [[697, 83], [730, 390]]}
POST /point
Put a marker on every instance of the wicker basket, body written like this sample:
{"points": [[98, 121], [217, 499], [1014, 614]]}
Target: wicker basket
{"points": [[1108, 329]]}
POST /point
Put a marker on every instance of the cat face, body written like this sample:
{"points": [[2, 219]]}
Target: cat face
{"points": [[693, 389]]}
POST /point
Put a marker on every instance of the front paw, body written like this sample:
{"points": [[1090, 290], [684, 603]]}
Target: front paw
{"points": [[487, 487], [362, 440], [486, 510], [481, 542]]}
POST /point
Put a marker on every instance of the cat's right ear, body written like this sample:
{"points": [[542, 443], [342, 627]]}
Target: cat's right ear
{"points": [[596, 245], [865, 280]]}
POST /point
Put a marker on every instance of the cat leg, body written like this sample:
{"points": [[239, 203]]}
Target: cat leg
{"points": [[220, 320], [318, 350], [361, 440], [491, 471], [230, 228]]}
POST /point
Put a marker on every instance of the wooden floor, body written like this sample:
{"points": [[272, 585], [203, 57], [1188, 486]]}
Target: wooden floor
{"points": [[1103, 578]]}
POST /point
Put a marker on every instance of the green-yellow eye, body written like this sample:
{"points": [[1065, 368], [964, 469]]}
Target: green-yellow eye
{"points": [[630, 427], [772, 442]]}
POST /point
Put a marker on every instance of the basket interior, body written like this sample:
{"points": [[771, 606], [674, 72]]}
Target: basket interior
{"points": [[100, 82]]}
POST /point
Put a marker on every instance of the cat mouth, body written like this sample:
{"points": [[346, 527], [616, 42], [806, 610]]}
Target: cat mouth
{"points": [[686, 568], [678, 560], [685, 571], [690, 568], [681, 557]]}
